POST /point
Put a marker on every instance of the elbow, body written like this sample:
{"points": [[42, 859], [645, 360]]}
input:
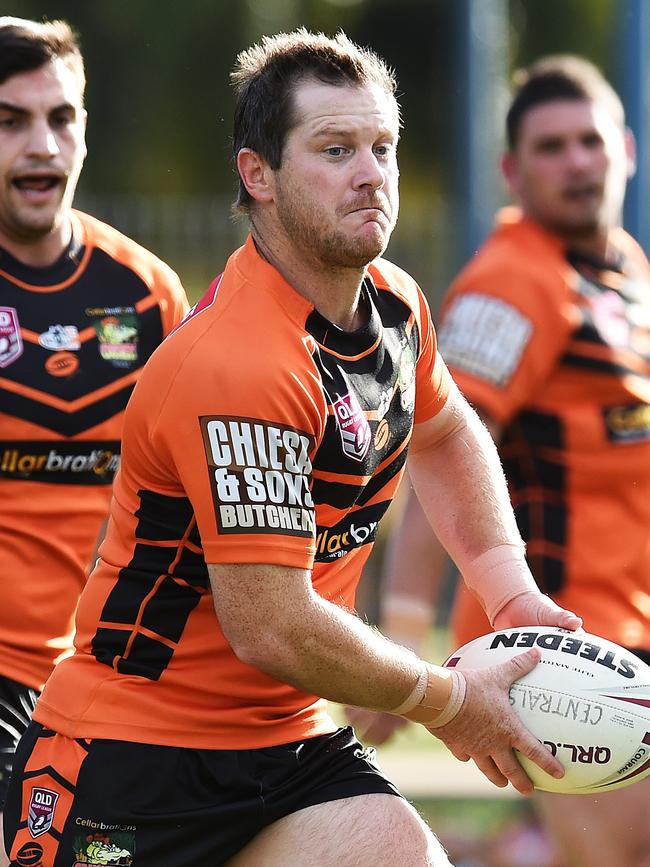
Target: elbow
{"points": [[265, 650]]}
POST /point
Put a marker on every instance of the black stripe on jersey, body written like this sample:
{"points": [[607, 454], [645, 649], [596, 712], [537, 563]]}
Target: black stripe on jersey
{"points": [[356, 529], [63, 423], [146, 592], [339, 494], [598, 364], [161, 518], [93, 373], [82, 305], [538, 486]]}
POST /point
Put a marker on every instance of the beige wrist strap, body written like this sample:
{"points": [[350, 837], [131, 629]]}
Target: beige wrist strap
{"points": [[498, 576], [442, 698], [415, 696], [455, 703]]}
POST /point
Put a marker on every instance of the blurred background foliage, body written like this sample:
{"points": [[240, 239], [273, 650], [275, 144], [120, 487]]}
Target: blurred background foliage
{"points": [[159, 103]]}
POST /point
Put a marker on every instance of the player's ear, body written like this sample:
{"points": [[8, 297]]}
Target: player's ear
{"points": [[630, 152], [256, 175], [509, 170]]}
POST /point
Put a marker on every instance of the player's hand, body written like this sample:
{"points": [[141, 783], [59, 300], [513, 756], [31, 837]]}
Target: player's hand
{"points": [[487, 730], [374, 727], [535, 609]]}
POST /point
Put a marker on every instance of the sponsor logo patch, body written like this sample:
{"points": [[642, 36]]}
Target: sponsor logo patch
{"points": [[11, 341], [484, 336], [40, 814], [60, 337], [609, 314], [353, 425], [117, 333], [259, 476], [115, 848], [356, 529], [62, 364], [29, 855], [71, 463], [406, 379], [382, 435], [628, 424]]}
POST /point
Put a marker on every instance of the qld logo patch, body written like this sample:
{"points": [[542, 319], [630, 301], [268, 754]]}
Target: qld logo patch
{"points": [[353, 425], [42, 805], [11, 342]]}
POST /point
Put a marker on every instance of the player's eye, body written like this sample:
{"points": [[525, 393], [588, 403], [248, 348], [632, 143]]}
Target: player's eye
{"points": [[550, 146], [593, 140]]}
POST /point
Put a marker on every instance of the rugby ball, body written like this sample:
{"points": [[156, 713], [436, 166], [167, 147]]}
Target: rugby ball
{"points": [[587, 700]]}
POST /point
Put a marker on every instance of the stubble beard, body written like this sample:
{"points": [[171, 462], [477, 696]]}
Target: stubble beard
{"points": [[299, 218], [28, 225]]}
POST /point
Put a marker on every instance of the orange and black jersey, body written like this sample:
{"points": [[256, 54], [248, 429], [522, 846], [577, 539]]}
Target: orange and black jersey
{"points": [[555, 346], [258, 433], [73, 339]]}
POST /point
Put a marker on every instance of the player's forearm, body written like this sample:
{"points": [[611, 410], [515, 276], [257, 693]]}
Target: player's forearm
{"points": [[461, 486], [460, 483], [328, 651], [415, 564]]}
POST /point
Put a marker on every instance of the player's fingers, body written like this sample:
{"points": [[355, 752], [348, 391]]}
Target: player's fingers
{"points": [[549, 613], [510, 768], [353, 715], [382, 728], [359, 719], [521, 664], [569, 620], [530, 747], [487, 766]]}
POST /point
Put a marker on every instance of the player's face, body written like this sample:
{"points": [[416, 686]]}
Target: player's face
{"points": [[336, 192], [42, 148], [570, 167]]}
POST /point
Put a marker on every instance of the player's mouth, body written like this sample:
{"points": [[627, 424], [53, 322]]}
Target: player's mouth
{"points": [[583, 194], [37, 187]]}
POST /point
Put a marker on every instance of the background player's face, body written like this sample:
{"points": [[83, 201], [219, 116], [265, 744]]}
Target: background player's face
{"points": [[42, 148], [570, 167], [336, 192]]}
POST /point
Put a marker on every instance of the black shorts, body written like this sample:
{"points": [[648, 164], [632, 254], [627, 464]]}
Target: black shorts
{"points": [[16, 707], [116, 802]]}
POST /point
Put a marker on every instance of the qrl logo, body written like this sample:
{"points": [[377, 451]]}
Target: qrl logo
{"points": [[42, 805], [577, 753], [354, 427], [11, 342]]}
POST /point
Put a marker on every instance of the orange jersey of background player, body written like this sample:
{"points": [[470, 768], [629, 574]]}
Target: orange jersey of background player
{"points": [[556, 348], [259, 432], [73, 339]]}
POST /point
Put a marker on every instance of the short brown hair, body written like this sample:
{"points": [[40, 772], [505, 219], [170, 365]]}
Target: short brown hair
{"points": [[265, 77], [27, 45], [559, 77]]}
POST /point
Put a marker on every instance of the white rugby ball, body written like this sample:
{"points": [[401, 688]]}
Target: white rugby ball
{"points": [[587, 700]]}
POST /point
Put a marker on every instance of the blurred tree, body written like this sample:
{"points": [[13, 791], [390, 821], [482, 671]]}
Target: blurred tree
{"points": [[160, 104]]}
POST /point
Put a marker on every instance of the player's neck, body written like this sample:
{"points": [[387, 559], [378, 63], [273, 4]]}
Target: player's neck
{"points": [[597, 246], [41, 252], [335, 293]]}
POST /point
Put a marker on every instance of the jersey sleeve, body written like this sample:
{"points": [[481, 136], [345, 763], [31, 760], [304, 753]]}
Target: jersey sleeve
{"points": [[238, 437], [172, 299], [501, 333], [432, 377]]}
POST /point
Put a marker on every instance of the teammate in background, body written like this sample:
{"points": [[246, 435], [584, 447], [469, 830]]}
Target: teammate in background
{"points": [[262, 445], [547, 333], [81, 310]]}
